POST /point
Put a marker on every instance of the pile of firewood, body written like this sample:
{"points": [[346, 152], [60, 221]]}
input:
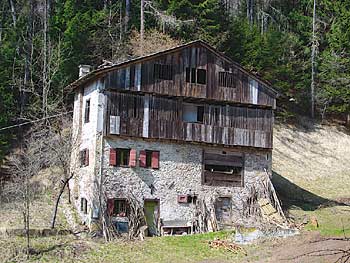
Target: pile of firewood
{"points": [[227, 245]]}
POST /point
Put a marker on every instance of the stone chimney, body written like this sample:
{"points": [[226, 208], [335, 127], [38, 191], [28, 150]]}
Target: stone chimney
{"points": [[84, 70]]}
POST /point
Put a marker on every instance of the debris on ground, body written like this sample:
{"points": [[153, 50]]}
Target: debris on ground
{"points": [[227, 245]]}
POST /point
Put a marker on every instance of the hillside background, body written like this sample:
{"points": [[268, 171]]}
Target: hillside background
{"points": [[42, 42]]}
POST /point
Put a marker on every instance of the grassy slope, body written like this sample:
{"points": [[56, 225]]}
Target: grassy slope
{"points": [[311, 164]]}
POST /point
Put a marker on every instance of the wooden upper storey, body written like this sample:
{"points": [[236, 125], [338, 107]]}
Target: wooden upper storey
{"points": [[154, 117], [194, 70]]}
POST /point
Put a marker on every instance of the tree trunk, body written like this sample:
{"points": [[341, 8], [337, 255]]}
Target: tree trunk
{"points": [[313, 54], [13, 13], [127, 15], [250, 17], [54, 215], [44, 72], [27, 215]]}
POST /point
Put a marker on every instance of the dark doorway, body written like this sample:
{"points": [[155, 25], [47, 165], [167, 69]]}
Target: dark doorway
{"points": [[223, 211], [151, 208]]}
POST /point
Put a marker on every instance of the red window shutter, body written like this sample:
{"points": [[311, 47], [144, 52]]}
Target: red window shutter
{"points": [[155, 160], [112, 157], [87, 157], [143, 158], [132, 158], [110, 206]]}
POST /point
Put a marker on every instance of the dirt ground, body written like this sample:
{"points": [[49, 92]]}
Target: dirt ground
{"points": [[308, 247]]}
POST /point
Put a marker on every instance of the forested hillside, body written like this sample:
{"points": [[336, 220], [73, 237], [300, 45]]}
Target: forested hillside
{"points": [[42, 42]]}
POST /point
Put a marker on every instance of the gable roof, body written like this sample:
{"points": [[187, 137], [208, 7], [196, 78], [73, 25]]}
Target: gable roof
{"points": [[98, 72]]}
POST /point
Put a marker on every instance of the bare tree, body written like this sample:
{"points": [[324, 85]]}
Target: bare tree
{"points": [[24, 166], [127, 15], [153, 41]]}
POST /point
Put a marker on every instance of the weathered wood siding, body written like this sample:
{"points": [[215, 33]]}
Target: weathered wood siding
{"points": [[140, 76], [128, 114]]}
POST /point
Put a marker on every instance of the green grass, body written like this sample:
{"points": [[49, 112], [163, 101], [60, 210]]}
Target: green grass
{"points": [[333, 221], [194, 248]]}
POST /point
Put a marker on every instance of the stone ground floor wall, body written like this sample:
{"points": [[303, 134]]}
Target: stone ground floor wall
{"points": [[179, 173]]}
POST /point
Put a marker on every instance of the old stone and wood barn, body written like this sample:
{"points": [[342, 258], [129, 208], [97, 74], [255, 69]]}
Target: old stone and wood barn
{"points": [[170, 129]]}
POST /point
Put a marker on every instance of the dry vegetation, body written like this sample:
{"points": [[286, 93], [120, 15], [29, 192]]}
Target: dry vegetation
{"points": [[314, 157]]}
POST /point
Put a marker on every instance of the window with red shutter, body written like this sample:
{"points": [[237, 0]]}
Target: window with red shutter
{"points": [[143, 158], [149, 159], [113, 157], [122, 157], [132, 158], [155, 160]]}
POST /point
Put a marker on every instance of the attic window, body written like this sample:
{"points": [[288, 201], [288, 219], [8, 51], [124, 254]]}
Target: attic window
{"points": [[201, 76], [162, 71], [226, 79], [198, 76]]}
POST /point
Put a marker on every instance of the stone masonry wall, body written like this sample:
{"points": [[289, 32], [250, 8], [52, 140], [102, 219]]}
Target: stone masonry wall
{"points": [[180, 171]]}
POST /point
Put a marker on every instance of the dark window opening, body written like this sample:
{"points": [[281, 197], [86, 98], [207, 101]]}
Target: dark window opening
{"points": [[223, 169], [188, 74], [83, 205], [163, 72], [194, 75], [226, 79], [84, 157], [123, 156], [87, 111], [120, 207], [200, 114], [216, 116], [148, 159], [201, 76]]}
